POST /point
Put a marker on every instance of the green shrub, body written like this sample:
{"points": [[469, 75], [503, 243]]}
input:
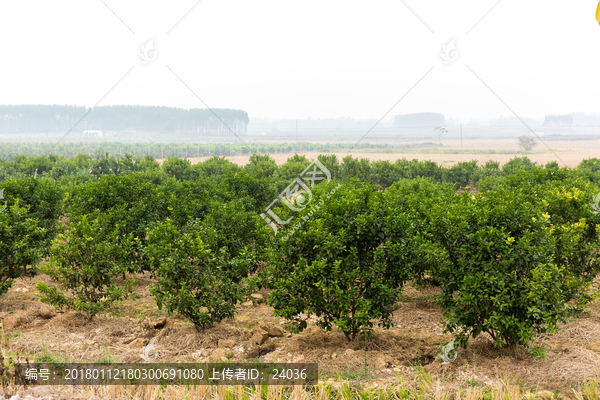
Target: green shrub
{"points": [[552, 165], [331, 162], [192, 279], [355, 168], [191, 200], [139, 202], [516, 164], [508, 265], [261, 166], [590, 170], [292, 169], [333, 265], [85, 262], [256, 191], [43, 199], [420, 169], [27, 166], [180, 169], [537, 176], [383, 174], [490, 172], [105, 165], [145, 164], [409, 244], [128, 202], [489, 183], [19, 253], [592, 164], [215, 169], [229, 227], [461, 174], [568, 202]]}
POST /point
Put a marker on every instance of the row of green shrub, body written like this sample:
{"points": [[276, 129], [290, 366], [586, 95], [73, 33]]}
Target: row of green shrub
{"points": [[14, 151], [514, 260], [82, 168]]}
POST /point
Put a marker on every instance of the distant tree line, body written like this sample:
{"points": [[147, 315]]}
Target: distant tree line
{"points": [[582, 119], [558, 120], [57, 118]]}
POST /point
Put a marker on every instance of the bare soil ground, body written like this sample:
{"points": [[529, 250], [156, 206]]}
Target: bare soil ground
{"points": [[566, 152], [125, 334]]}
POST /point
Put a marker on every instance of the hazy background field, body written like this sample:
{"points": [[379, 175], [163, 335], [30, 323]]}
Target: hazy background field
{"points": [[568, 146]]}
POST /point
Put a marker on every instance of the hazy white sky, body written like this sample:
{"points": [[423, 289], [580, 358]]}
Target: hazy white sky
{"points": [[318, 58]]}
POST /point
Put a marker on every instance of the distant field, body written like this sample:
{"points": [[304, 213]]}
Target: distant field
{"points": [[566, 149], [570, 152]]}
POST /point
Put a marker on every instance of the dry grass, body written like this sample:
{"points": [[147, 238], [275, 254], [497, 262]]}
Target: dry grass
{"points": [[420, 387], [387, 360]]}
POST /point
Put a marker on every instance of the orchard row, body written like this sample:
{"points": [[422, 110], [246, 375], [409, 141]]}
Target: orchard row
{"points": [[513, 260]]}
